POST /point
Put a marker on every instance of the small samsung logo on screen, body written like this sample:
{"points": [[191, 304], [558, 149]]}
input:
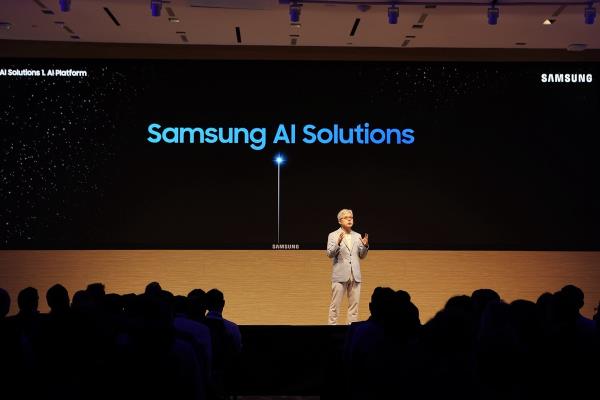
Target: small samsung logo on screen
{"points": [[566, 78]]}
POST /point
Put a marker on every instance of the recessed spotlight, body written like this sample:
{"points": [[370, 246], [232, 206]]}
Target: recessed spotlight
{"points": [[174, 19], [549, 21], [296, 24], [5, 25]]}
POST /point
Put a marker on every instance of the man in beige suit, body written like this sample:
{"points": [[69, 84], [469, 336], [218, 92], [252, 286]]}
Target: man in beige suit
{"points": [[346, 248]]}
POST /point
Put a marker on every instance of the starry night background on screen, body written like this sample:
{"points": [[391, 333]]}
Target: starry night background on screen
{"points": [[500, 159]]}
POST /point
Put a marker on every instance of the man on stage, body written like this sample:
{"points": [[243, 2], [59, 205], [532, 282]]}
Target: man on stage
{"points": [[346, 248]]}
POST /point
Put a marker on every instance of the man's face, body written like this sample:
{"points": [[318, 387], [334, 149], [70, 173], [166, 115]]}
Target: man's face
{"points": [[347, 221]]}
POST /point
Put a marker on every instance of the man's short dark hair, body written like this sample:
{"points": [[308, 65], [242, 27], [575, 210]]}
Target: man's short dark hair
{"points": [[153, 289], [197, 293], [28, 300], [57, 297], [214, 299], [96, 290], [574, 295]]}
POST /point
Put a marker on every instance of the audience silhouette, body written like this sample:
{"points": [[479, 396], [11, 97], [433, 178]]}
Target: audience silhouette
{"points": [[157, 345]]}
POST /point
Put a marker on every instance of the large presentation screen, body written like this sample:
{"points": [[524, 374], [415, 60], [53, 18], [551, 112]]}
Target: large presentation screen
{"points": [[124, 154]]}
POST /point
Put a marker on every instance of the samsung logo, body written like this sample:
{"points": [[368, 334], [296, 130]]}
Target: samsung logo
{"points": [[566, 78]]}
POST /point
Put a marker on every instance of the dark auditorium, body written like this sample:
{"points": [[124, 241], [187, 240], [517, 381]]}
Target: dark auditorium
{"points": [[299, 199]]}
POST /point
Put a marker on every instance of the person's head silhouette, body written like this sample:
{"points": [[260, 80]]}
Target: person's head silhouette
{"points": [[4, 303], [153, 289], [27, 301], [96, 291], [57, 298], [215, 301], [382, 302], [573, 295], [196, 304]]}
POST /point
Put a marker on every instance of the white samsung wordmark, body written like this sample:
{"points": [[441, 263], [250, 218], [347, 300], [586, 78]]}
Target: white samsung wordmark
{"points": [[566, 78]]}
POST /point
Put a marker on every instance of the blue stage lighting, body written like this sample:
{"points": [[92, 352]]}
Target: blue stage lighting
{"points": [[589, 15], [295, 9], [279, 159], [156, 7], [493, 14], [393, 13], [65, 5]]}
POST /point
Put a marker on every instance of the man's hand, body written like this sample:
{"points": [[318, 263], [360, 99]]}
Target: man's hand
{"points": [[340, 238], [365, 240]]}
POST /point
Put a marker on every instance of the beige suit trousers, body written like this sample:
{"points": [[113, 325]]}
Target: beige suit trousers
{"points": [[338, 290]]}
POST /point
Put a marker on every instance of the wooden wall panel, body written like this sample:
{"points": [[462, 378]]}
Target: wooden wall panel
{"points": [[292, 287]]}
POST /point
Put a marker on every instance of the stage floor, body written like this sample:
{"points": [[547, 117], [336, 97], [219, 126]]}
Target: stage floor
{"points": [[292, 287]]}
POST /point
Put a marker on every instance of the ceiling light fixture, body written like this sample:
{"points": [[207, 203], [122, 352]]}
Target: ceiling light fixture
{"points": [[156, 7], [589, 14], [393, 13], [65, 5], [492, 14], [295, 9]]}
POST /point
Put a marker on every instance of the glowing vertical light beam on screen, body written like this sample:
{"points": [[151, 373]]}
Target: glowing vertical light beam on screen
{"points": [[278, 160]]}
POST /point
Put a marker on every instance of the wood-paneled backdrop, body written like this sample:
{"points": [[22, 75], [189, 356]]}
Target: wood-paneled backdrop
{"points": [[293, 287]]}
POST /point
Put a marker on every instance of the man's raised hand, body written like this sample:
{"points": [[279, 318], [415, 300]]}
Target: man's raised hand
{"points": [[365, 240]]}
